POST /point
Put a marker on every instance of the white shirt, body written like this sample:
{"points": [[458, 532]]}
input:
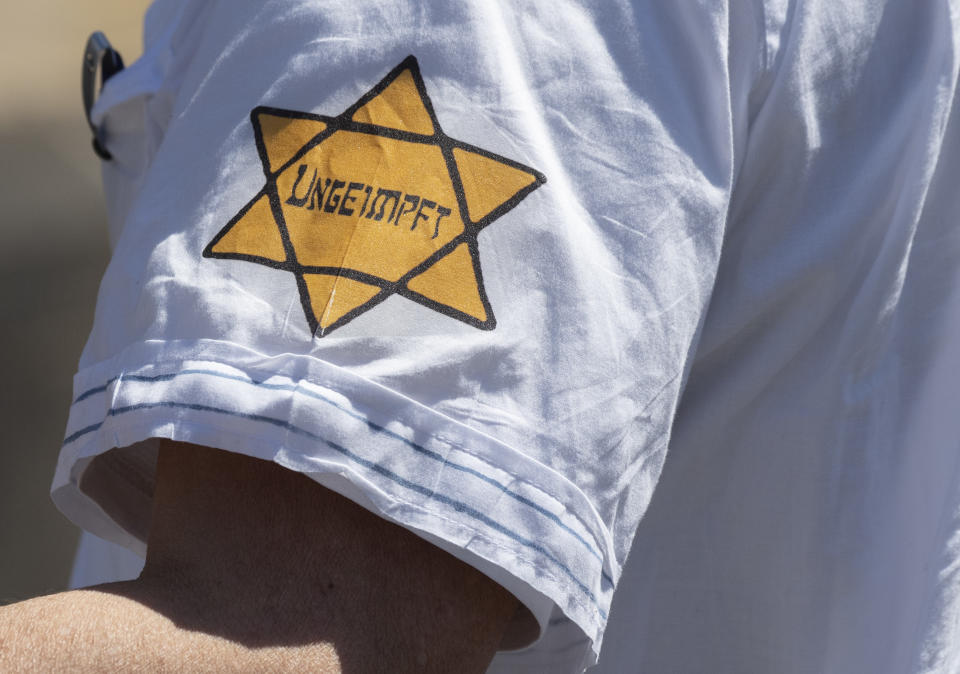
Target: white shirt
{"points": [[694, 301]]}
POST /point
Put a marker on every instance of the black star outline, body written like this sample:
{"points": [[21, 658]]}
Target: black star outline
{"points": [[343, 121]]}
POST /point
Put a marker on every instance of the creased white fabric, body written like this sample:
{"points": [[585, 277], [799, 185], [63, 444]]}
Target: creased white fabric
{"points": [[744, 250]]}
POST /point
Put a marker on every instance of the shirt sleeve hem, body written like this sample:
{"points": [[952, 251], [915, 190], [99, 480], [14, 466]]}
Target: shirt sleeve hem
{"points": [[514, 518]]}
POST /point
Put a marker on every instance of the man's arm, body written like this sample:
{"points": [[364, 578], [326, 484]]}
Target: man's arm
{"points": [[254, 567]]}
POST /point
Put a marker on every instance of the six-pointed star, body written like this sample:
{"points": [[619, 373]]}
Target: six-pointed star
{"points": [[375, 202]]}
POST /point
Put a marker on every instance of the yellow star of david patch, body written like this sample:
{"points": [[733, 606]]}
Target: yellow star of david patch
{"points": [[375, 202]]}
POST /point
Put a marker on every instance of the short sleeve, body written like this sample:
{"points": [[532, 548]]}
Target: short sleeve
{"points": [[447, 259]]}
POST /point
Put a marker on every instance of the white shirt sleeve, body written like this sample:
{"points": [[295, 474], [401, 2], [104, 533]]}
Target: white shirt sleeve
{"points": [[447, 259]]}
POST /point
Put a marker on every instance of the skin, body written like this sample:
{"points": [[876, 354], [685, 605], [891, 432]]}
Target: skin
{"points": [[251, 567]]}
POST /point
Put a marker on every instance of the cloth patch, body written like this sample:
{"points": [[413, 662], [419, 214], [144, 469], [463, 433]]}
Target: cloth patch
{"points": [[374, 202]]}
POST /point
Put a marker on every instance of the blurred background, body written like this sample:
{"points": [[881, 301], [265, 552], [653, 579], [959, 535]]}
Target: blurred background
{"points": [[53, 249]]}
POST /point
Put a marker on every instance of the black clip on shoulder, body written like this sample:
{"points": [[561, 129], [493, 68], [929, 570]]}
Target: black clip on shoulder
{"points": [[98, 55]]}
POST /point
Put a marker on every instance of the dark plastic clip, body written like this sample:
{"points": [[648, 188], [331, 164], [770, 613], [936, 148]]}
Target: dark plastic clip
{"points": [[98, 55]]}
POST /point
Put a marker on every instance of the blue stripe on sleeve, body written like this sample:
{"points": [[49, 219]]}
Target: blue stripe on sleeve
{"points": [[459, 506], [376, 427]]}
